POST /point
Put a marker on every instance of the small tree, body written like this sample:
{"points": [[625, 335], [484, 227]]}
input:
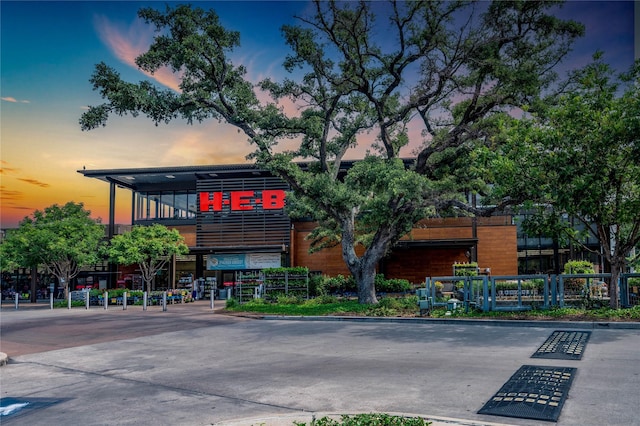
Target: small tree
{"points": [[62, 239], [579, 158], [150, 247]]}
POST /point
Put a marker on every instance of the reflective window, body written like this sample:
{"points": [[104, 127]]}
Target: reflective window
{"points": [[165, 205]]}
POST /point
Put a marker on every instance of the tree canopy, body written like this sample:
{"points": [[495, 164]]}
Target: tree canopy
{"points": [[61, 238], [150, 247], [580, 158], [427, 75]]}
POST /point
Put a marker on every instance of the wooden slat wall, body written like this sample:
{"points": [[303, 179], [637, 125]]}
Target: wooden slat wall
{"points": [[497, 249]]}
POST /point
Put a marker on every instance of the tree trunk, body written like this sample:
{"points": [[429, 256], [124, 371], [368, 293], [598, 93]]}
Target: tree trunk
{"points": [[363, 268], [34, 282], [617, 267], [364, 273]]}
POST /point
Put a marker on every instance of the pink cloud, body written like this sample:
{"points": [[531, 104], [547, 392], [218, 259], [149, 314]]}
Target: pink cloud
{"points": [[128, 43], [14, 100]]}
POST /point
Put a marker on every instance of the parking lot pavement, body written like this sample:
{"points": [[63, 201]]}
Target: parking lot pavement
{"points": [[191, 366]]}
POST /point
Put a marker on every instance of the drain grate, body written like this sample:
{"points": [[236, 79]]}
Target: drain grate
{"points": [[533, 392], [563, 345]]}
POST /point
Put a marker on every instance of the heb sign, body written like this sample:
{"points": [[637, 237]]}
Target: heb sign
{"points": [[268, 199]]}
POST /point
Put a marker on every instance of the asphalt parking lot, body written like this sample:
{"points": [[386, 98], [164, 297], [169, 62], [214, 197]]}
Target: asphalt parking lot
{"points": [[193, 366]]}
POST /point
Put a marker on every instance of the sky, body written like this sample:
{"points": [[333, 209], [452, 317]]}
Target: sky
{"points": [[48, 51]]}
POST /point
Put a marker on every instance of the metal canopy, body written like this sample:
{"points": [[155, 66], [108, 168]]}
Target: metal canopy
{"points": [[170, 177]]}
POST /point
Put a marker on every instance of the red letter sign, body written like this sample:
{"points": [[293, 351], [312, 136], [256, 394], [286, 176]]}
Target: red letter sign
{"points": [[273, 199], [211, 199], [241, 200]]}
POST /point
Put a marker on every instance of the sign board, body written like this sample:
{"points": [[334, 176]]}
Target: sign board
{"points": [[236, 261], [239, 201]]}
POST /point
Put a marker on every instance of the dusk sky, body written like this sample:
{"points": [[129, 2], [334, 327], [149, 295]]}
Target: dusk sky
{"points": [[48, 53]]}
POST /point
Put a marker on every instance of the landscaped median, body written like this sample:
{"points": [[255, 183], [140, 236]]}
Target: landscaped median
{"points": [[406, 306]]}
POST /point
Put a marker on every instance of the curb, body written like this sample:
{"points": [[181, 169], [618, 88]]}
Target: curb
{"points": [[462, 321], [309, 418]]}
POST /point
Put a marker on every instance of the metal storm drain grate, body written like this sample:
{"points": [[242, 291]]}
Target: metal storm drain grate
{"points": [[563, 345], [533, 392]]}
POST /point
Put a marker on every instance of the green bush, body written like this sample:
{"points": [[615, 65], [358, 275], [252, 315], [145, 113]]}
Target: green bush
{"points": [[393, 285], [318, 285], [341, 284], [577, 267], [283, 299], [368, 419]]}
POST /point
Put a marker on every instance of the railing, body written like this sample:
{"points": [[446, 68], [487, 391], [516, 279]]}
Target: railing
{"points": [[524, 292]]}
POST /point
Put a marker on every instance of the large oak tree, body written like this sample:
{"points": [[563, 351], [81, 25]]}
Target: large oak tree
{"points": [[442, 70]]}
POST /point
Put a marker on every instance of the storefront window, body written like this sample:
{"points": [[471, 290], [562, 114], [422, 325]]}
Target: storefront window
{"points": [[165, 205]]}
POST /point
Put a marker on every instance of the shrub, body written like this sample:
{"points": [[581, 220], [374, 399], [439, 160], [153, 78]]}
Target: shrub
{"points": [[393, 285], [577, 267], [368, 419], [318, 285], [283, 299]]}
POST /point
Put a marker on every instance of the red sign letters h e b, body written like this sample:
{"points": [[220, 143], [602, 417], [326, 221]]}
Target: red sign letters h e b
{"points": [[268, 199]]}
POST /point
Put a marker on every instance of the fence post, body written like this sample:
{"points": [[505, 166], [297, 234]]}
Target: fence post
{"points": [[485, 294], [624, 290], [545, 292]]}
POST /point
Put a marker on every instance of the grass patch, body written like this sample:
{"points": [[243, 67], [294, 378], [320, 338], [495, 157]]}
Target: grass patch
{"points": [[369, 420]]}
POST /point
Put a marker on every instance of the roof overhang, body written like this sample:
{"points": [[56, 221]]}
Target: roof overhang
{"points": [[448, 243]]}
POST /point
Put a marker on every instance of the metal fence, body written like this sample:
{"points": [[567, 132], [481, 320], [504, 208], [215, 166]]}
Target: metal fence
{"points": [[525, 292]]}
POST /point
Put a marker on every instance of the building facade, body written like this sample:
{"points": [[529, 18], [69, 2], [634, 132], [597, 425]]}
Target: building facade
{"points": [[233, 219]]}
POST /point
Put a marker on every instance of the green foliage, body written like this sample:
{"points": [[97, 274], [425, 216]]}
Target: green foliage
{"points": [[465, 269], [393, 285], [350, 82], [317, 285], [61, 238], [579, 267], [116, 292], [289, 300], [377, 419], [150, 247], [232, 304], [579, 155], [295, 270]]}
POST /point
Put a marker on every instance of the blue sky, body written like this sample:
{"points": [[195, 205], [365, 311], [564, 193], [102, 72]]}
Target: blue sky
{"points": [[49, 50]]}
